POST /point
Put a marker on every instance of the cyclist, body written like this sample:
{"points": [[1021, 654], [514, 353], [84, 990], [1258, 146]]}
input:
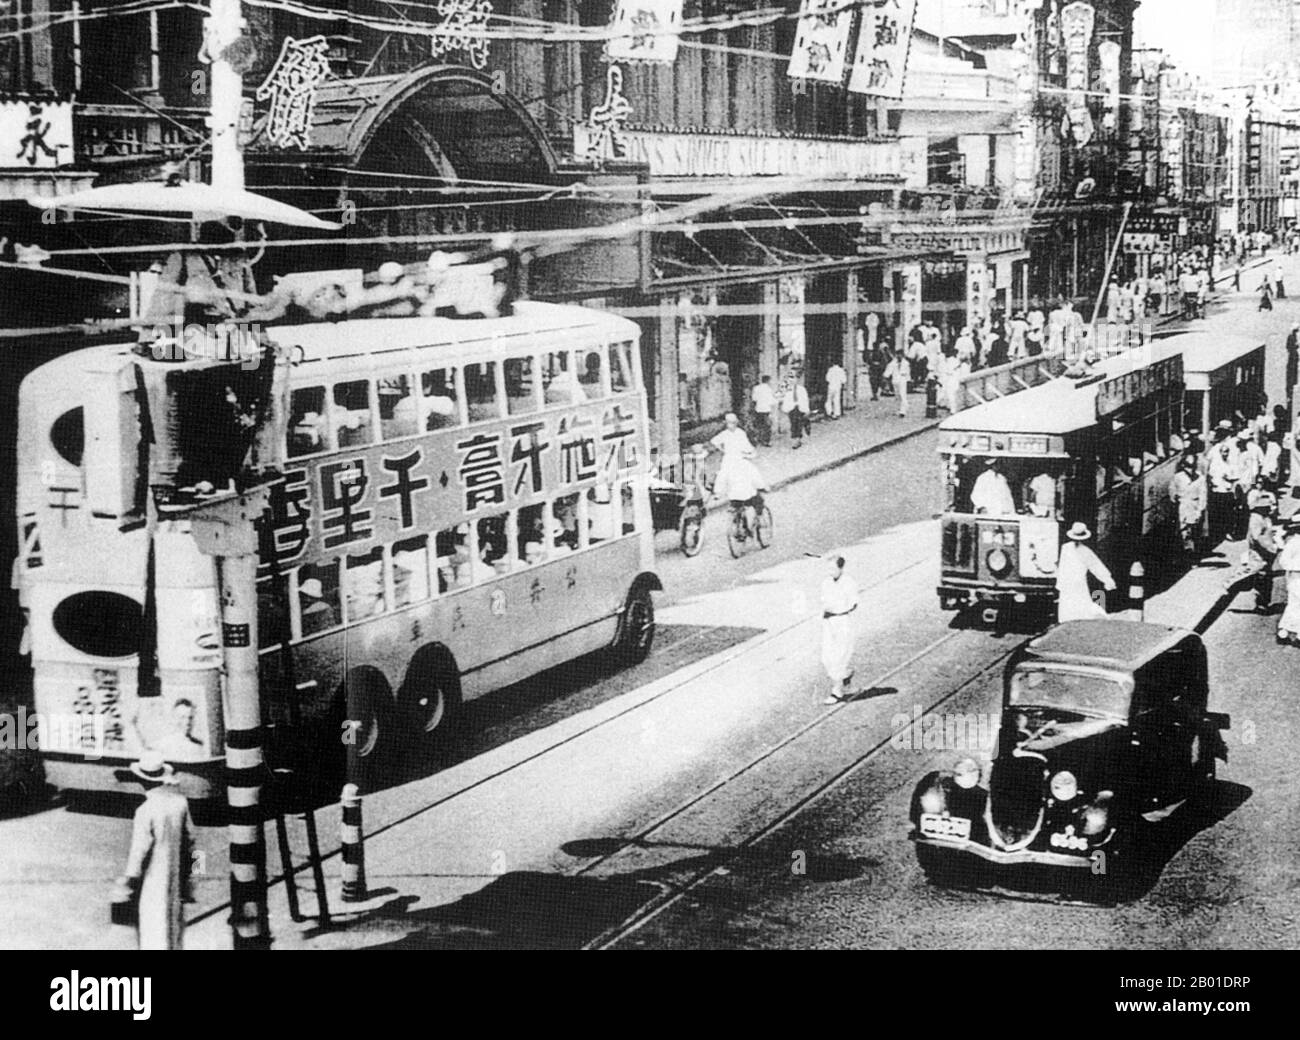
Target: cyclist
{"points": [[744, 486]]}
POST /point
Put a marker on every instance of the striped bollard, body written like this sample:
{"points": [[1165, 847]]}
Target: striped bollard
{"points": [[354, 849], [1137, 590]]}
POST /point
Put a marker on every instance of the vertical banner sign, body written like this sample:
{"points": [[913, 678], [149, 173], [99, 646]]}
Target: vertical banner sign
{"points": [[910, 304], [1076, 26], [1025, 65], [35, 134], [977, 291], [880, 65], [291, 86], [647, 30], [1108, 55], [1173, 148], [822, 41]]}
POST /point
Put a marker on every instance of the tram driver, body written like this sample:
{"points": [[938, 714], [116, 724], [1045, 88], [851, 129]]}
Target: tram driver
{"points": [[991, 493], [1040, 496]]}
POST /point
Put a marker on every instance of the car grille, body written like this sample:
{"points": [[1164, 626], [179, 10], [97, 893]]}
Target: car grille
{"points": [[1016, 798]]}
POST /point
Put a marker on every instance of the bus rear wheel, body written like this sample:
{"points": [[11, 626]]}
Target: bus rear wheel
{"points": [[429, 703], [636, 630], [369, 733]]}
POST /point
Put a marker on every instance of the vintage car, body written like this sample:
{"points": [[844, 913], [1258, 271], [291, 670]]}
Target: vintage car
{"points": [[1103, 730]]}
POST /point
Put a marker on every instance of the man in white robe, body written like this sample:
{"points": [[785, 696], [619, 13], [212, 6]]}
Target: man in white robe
{"points": [[839, 598], [991, 493], [1077, 561]]}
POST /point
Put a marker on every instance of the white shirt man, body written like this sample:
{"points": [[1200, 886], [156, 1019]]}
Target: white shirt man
{"points": [[1077, 561], [1040, 495], [839, 599], [731, 440], [836, 377], [992, 494], [1223, 472], [1018, 328], [764, 397], [1250, 462]]}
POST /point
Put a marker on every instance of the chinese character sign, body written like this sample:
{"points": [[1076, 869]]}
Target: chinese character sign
{"points": [[880, 65], [1108, 53], [647, 30], [35, 135], [601, 138], [822, 40], [463, 28], [1173, 152], [291, 88], [1076, 26]]}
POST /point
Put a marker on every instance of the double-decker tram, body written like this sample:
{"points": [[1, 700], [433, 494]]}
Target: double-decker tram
{"points": [[1097, 445], [460, 504]]}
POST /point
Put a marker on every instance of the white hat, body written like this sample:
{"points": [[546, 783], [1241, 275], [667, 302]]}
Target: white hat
{"points": [[154, 769], [312, 587], [391, 271], [1078, 532]]}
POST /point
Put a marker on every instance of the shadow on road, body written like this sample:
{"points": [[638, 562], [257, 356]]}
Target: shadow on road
{"points": [[533, 910]]}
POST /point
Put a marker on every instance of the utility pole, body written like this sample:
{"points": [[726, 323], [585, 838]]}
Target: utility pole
{"points": [[224, 528]]}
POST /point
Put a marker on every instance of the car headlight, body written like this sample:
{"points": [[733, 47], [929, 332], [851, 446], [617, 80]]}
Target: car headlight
{"points": [[1095, 820], [998, 561], [967, 773], [1063, 786], [932, 801]]}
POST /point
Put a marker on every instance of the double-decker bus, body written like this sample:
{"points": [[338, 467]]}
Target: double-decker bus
{"points": [[463, 504], [1098, 445]]}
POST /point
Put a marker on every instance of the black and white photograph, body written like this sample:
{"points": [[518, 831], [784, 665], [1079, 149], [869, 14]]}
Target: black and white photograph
{"points": [[651, 475]]}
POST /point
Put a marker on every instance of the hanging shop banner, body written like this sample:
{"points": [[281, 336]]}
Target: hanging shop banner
{"points": [[1026, 73], [977, 290], [1076, 26], [880, 65], [1108, 54], [647, 30], [822, 41], [909, 305], [1173, 148], [35, 134]]}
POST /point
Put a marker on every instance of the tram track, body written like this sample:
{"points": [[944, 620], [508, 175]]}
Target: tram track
{"points": [[673, 895]]}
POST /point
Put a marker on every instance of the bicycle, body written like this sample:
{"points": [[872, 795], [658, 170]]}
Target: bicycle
{"points": [[740, 531]]}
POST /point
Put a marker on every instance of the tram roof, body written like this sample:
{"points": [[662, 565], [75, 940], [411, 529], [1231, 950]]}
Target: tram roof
{"points": [[1060, 406], [375, 337], [1205, 352]]}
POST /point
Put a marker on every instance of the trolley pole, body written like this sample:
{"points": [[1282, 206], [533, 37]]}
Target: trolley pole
{"points": [[224, 528]]}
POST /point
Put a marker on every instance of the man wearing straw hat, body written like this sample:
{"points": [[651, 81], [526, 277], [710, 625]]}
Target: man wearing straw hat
{"points": [[1077, 561], [158, 865], [1288, 561]]}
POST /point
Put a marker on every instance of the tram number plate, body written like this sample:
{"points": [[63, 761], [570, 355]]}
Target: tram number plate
{"points": [[935, 826]]}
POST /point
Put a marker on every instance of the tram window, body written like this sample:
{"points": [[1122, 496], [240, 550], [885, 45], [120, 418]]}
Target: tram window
{"points": [[351, 413], [530, 535], [600, 514], [272, 611], [441, 405], [493, 548], [564, 525], [622, 379], [629, 509], [481, 391], [308, 433], [365, 585], [318, 596], [410, 571], [590, 364], [521, 385], [453, 558], [559, 379], [396, 407]]}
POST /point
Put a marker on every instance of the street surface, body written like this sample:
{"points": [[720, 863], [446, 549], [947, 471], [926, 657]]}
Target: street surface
{"points": [[708, 798]]}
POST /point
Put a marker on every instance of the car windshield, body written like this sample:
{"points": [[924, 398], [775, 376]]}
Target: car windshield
{"points": [[1083, 692]]}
